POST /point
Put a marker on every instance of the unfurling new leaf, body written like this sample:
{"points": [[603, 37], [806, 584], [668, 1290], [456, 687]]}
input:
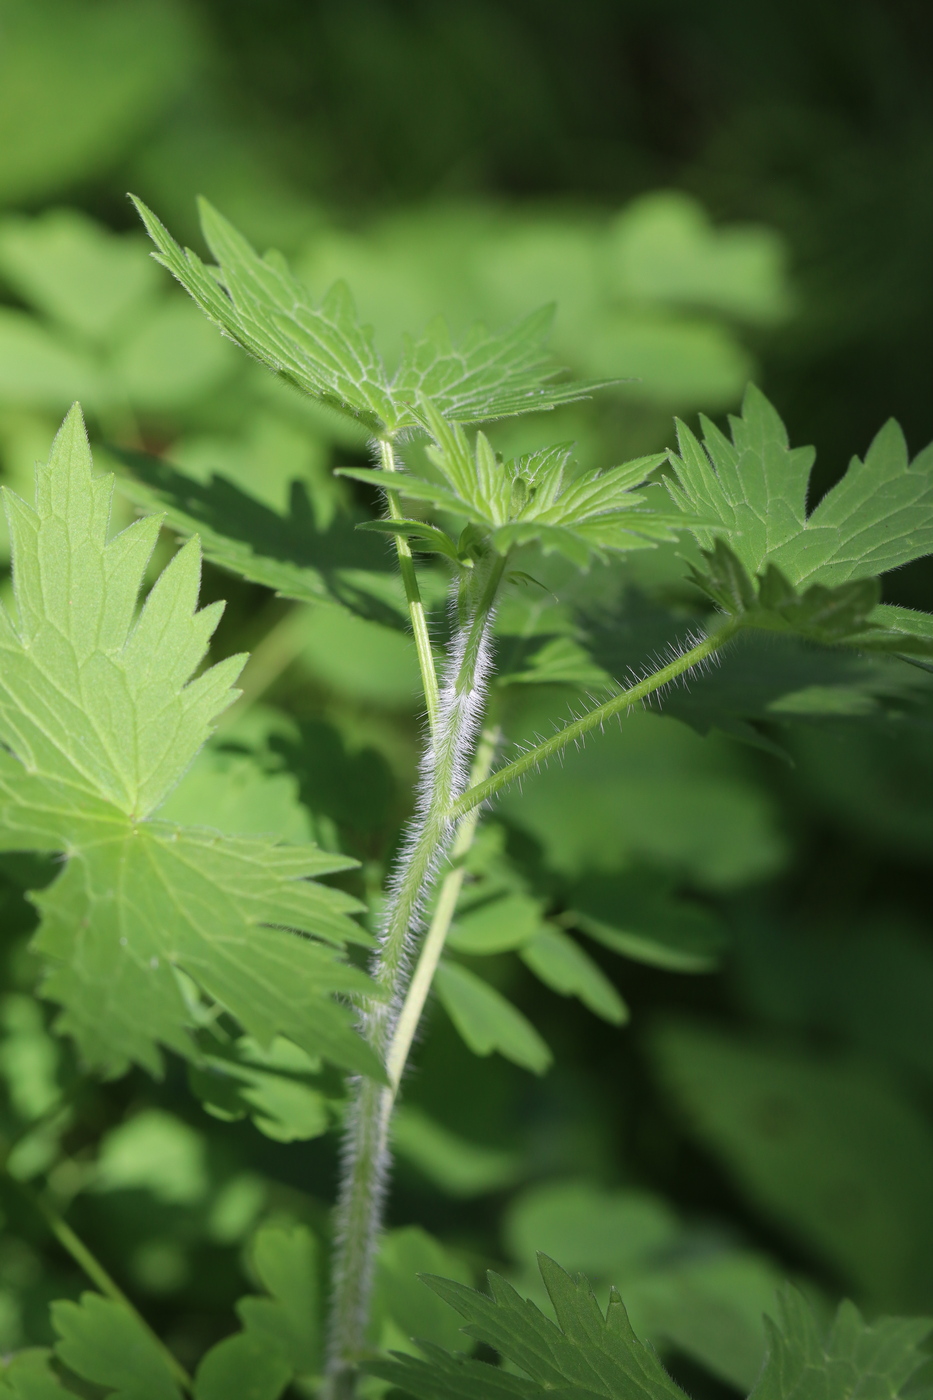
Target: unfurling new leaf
{"points": [[100, 718]]}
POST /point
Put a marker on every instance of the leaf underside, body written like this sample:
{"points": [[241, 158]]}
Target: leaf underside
{"points": [[100, 719]]}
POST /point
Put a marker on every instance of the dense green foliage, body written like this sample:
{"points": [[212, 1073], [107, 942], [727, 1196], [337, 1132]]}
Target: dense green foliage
{"points": [[678, 1037]]}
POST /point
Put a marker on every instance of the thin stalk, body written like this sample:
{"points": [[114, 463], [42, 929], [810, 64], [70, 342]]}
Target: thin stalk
{"points": [[410, 1015], [98, 1275], [359, 1209], [578, 729], [419, 625]]}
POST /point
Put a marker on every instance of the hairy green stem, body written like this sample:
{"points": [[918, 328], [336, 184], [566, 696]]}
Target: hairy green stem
{"points": [[420, 985], [419, 625], [578, 729], [98, 1275], [359, 1209]]}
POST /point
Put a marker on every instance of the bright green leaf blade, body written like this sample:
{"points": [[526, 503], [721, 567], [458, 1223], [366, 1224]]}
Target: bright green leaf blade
{"points": [[101, 720], [105, 1343], [136, 902], [878, 517], [287, 553], [851, 1359], [323, 350], [488, 1022], [88, 693], [562, 965], [487, 376], [242, 1367]]}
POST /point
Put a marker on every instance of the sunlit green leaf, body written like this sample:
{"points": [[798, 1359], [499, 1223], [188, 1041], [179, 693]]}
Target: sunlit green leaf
{"points": [[101, 719]]}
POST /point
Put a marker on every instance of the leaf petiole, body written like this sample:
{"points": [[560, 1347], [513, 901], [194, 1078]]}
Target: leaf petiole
{"points": [[479, 793], [419, 625]]}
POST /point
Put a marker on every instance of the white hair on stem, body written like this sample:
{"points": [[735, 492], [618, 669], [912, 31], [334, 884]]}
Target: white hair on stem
{"points": [[366, 1158]]}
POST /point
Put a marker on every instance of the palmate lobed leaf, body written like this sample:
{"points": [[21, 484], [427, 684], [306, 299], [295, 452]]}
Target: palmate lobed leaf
{"points": [[754, 487], [325, 351], [99, 718]]}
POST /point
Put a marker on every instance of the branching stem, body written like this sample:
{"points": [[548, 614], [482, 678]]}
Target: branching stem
{"points": [[578, 729], [419, 625], [359, 1209]]}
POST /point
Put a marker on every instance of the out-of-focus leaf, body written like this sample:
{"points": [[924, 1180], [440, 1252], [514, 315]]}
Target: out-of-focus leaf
{"points": [[404, 1312], [278, 1087], [106, 1344], [851, 1359], [172, 359], [285, 1258], [76, 272], [638, 915], [562, 964], [79, 83], [830, 1150], [612, 1236], [245, 1366], [650, 792], [154, 1151], [486, 1021], [496, 926], [460, 1168], [38, 370], [664, 249]]}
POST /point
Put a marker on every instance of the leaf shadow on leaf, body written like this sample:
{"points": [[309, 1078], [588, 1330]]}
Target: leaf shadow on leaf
{"points": [[342, 566], [354, 788]]}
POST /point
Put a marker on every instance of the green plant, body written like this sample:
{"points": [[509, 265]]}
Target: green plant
{"points": [[160, 934]]}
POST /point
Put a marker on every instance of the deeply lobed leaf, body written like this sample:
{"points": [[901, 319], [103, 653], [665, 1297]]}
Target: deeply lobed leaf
{"points": [[326, 352], [751, 492], [100, 718]]}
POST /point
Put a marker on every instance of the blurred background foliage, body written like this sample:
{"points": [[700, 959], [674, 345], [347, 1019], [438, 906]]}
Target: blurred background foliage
{"points": [[709, 195]]}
